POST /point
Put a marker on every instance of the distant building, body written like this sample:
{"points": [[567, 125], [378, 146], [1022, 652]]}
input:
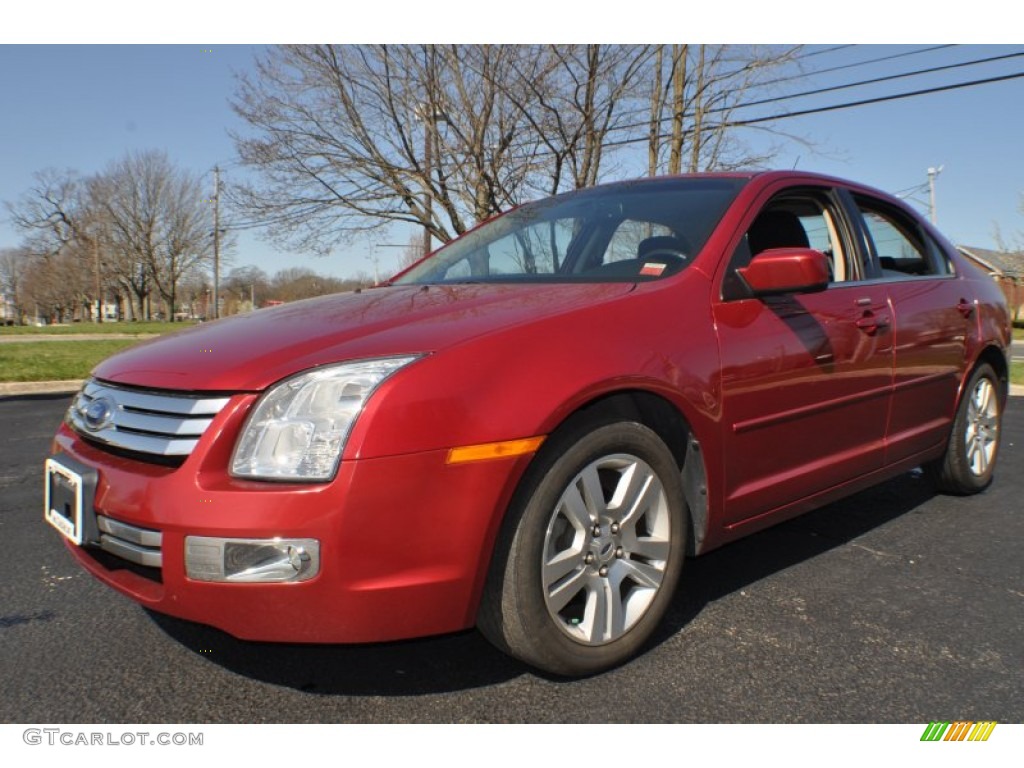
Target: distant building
{"points": [[8, 310], [1006, 268]]}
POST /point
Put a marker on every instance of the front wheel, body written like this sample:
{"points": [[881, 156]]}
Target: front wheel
{"points": [[592, 554], [970, 459]]}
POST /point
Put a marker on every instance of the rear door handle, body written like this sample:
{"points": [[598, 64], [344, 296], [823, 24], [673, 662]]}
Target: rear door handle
{"points": [[965, 308]]}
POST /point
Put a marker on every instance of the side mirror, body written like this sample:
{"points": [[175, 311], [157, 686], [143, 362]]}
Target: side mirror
{"points": [[786, 270]]}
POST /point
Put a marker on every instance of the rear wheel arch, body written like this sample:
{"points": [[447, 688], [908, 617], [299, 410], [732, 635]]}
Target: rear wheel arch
{"points": [[968, 461], [995, 358]]}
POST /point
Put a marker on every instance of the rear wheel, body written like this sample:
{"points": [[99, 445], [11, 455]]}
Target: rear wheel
{"points": [[592, 554], [969, 462]]}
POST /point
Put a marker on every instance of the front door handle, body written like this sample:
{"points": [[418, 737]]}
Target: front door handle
{"points": [[871, 323]]}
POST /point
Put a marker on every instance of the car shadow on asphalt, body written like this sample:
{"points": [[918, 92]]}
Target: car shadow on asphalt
{"points": [[460, 661], [466, 660], [749, 560]]}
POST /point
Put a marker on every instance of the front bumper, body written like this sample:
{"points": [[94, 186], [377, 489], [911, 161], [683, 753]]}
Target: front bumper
{"points": [[404, 540]]}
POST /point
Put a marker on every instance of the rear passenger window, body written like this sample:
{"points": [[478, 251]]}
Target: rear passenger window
{"points": [[901, 247]]}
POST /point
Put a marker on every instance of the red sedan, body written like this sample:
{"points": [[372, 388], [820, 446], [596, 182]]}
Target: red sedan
{"points": [[530, 430]]}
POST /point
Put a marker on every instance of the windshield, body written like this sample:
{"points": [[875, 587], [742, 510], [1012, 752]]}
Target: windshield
{"points": [[623, 232]]}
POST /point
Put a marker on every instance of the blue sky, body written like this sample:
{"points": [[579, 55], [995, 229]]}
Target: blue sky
{"points": [[83, 106]]}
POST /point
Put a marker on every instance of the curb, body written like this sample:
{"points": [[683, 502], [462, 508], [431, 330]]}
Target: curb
{"points": [[15, 388], [33, 338]]}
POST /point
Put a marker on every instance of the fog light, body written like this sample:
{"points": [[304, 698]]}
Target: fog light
{"points": [[251, 560]]}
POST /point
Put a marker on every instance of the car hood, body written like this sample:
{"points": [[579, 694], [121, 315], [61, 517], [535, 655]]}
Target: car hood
{"points": [[250, 352]]}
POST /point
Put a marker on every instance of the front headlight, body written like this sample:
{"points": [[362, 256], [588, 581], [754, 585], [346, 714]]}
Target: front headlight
{"points": [[298, 429]]}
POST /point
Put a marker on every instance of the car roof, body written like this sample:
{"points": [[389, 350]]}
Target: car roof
{"points": [[762, 177]]}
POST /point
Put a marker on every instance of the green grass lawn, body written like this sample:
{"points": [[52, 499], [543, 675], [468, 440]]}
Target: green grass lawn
{"points": [[58, 360], [59, 330], [55, 360]]}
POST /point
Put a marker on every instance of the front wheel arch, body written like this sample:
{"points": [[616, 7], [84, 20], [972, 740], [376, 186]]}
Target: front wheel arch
{"points": [[663, 417], [517, 612]]}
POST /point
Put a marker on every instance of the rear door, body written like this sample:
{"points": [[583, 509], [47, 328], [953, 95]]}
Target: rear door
{"points": [[806, 379], [932, 317]]}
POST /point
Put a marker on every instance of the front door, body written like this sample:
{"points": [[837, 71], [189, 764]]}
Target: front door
{"points": [[806, 378]]}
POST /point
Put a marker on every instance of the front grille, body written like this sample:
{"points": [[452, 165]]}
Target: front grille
{"points": [[143, 421], [136, 545]]}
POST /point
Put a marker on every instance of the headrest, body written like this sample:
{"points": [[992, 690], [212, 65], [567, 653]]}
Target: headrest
{"points": [[776, 229]]}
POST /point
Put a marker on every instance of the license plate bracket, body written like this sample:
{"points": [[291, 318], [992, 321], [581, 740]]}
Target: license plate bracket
{"points": [[69, 489]]}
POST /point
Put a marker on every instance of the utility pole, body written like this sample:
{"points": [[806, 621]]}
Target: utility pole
{"points": [[430, 116], [99, 292], [216, 241], [932, 173], [428, 203]]}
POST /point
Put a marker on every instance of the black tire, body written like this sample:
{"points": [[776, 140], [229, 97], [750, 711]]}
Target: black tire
{"points": [[577, 584], [970, 458]]}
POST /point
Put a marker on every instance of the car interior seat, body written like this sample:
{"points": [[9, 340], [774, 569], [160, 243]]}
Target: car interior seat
{"points": [[658, 256], [776, 229]]}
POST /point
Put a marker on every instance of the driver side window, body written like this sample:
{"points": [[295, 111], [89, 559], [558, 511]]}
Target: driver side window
{"points": [[792, 221]]}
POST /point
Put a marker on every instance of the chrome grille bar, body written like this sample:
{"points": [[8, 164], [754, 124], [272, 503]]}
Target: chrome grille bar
{"points": [[137, 545], [144, 421]]}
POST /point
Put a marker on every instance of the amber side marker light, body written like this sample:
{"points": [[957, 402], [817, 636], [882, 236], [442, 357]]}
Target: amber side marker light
{"points": [[502, 450]]}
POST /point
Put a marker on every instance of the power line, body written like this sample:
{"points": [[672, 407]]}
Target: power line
{"points": [[825, 50], [836, 68], [714, 110], [834, 107], [855, 64], [874, 80], [877, 99], [255, 223], [771, 118], [844, 86]]}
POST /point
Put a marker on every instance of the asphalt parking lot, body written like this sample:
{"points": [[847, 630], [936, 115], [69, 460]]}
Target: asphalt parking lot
{"points": [[896, 605]]}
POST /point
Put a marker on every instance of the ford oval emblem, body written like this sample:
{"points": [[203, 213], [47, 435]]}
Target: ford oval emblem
{"points": [[99, 414]]}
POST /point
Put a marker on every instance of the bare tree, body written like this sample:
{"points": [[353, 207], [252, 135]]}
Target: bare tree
{"points": [[61, 228], [696, 90], [412, 253], [248, 284], [574, 98], [137, 228], [159, 225], [294, 283], [188, 227], [52, 212], [351, 138], [51, 283], [346, 139], [65, 229]]}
